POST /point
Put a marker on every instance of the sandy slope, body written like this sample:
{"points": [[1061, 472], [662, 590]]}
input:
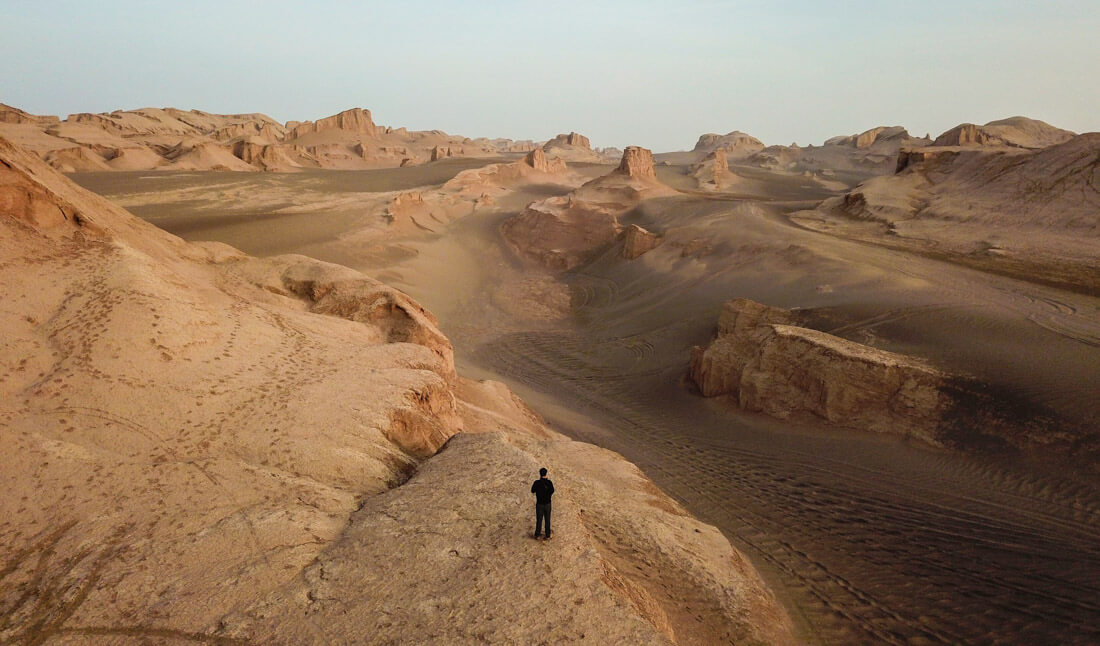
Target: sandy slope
{"points": [[870, 539], [196, 444]]}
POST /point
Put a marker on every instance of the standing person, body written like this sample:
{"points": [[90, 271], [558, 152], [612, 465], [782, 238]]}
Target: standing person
{"points": [[543, 488]]}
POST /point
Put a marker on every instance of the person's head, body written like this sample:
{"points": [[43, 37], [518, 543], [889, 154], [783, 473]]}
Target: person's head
{"points": [[542, 472]]}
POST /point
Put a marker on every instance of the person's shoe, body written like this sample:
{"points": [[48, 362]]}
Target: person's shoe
{"points": [[535, 536], [547, 537]]}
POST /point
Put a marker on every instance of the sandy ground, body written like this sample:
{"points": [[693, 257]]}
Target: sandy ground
{"points": [[866, 539]]}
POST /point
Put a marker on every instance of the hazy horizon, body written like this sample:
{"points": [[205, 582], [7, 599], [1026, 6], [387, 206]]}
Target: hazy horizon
{"points": [[620, 73]]}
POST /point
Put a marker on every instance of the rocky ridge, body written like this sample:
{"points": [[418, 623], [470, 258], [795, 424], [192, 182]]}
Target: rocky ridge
{"points": [[347, 140]]}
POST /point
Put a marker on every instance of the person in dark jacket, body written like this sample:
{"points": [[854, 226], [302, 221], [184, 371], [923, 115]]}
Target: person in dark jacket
{"points": [[543, 488]]}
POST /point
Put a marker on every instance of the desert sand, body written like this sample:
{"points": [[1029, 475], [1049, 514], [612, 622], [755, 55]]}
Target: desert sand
{"points": [[204, 446], [595, 292]]}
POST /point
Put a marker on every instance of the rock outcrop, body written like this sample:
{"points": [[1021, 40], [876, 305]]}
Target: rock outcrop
{"points": [[76, 159], [572, 147], [1018, 132], [537, 160], [735, 144], [441, 152], [269, 157], [255, 445], [767, 364], [355, 120], [868, 138], [562, 232], [9, 114], [967, 200], [637, 162], [713, 171], [637, 241], [348, 140], [572, 139], [925, 155]]}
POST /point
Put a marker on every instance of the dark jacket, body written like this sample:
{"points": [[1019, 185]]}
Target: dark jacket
{"points": [[543, 489]]}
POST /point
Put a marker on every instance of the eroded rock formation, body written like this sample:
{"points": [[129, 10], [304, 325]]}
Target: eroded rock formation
{"points": [[355, 120], [232, 438], [562, 232], [637, 162], [767, 364], [736, 144], [637, 241], [1015, 131], [572, 139], [347, 140]]}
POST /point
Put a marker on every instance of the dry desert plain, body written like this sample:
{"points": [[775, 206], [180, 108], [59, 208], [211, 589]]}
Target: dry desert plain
{"points": [[873, 365]]}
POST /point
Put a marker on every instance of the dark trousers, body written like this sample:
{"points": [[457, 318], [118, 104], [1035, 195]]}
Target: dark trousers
{"points": [[542, 511]]}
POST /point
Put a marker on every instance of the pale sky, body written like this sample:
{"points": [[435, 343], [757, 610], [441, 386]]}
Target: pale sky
{"points": [[655, 74]]}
